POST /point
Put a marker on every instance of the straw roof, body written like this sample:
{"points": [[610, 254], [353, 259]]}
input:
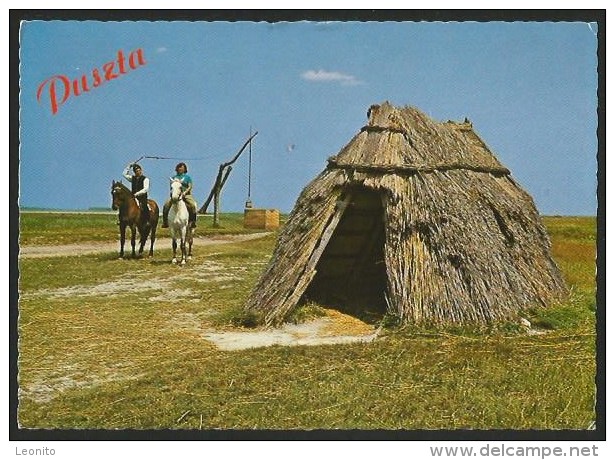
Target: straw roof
{"points": [[418, 216]]}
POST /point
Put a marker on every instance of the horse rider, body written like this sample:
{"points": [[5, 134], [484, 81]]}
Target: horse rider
{"points": [[140, 187], [181, 171]]}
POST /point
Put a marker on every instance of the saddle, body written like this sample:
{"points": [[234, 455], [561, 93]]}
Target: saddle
{"points": [[149, 207]]}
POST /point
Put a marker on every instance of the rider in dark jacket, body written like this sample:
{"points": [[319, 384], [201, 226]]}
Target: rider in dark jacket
{"points": [[140, 187]]}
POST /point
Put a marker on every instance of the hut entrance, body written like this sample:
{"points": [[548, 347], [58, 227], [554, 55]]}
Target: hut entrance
{"points": [[351, 273]]}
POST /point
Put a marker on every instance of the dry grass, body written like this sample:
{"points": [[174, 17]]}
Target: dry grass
{"points": [[136, 358], [342, 324]]}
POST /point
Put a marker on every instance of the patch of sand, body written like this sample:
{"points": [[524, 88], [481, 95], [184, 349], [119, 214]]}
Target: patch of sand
{"points": [[51, 384], [162, 287], [334, 328]]}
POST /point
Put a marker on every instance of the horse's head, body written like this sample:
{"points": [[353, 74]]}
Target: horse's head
{"points": [[117, 193], [176, 190]]}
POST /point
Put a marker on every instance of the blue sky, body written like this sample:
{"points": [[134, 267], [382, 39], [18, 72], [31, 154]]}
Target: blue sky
{"points": [[529, 89]]}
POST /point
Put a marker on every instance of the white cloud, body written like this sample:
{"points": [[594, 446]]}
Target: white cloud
{"points": [[325, 76], [161, 49]]}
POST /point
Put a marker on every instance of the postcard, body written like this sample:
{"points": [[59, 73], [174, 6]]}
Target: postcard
{"points": [[286, 228]]}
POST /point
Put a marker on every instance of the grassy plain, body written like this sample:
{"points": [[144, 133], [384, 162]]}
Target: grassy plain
{"points": [[109, 344], [47, 228]]}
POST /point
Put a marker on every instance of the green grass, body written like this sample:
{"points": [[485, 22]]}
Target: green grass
{"points": [[42, 228], [579, 229], [65, 228], [115, 344], [574, 248]]}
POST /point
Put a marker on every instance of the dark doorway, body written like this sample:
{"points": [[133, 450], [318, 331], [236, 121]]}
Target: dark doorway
{"points": [[351, 274]]}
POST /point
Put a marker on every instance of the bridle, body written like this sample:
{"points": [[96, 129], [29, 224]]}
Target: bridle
{"points": [[117, 193]]}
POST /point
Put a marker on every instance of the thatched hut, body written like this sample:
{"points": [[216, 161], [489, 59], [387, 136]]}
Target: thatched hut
{"points": [[417, 219]]}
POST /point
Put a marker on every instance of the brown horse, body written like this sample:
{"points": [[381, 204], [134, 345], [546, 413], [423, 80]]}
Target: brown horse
{"points": [[131, 216]]}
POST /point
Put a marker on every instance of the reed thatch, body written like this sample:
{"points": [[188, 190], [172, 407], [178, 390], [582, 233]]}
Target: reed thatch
{"points": [[417, 219]]}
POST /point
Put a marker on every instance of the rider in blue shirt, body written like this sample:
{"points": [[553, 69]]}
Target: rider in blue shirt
{"points": [[182, 174]]}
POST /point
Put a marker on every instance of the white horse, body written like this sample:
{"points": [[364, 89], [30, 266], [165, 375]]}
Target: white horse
{"points": [[178, 223]]}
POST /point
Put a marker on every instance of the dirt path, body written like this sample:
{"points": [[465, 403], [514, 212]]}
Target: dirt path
{"points": [[32, 252]]}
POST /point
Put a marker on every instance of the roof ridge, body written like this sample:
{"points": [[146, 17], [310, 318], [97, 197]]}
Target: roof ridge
{"points": [[406, 168]]}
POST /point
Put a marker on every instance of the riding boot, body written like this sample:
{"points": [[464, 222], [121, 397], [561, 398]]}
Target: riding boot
{"points": [[192, 219]]}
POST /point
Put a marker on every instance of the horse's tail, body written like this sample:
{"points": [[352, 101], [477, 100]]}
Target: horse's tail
{"points": [[154, 212]]}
